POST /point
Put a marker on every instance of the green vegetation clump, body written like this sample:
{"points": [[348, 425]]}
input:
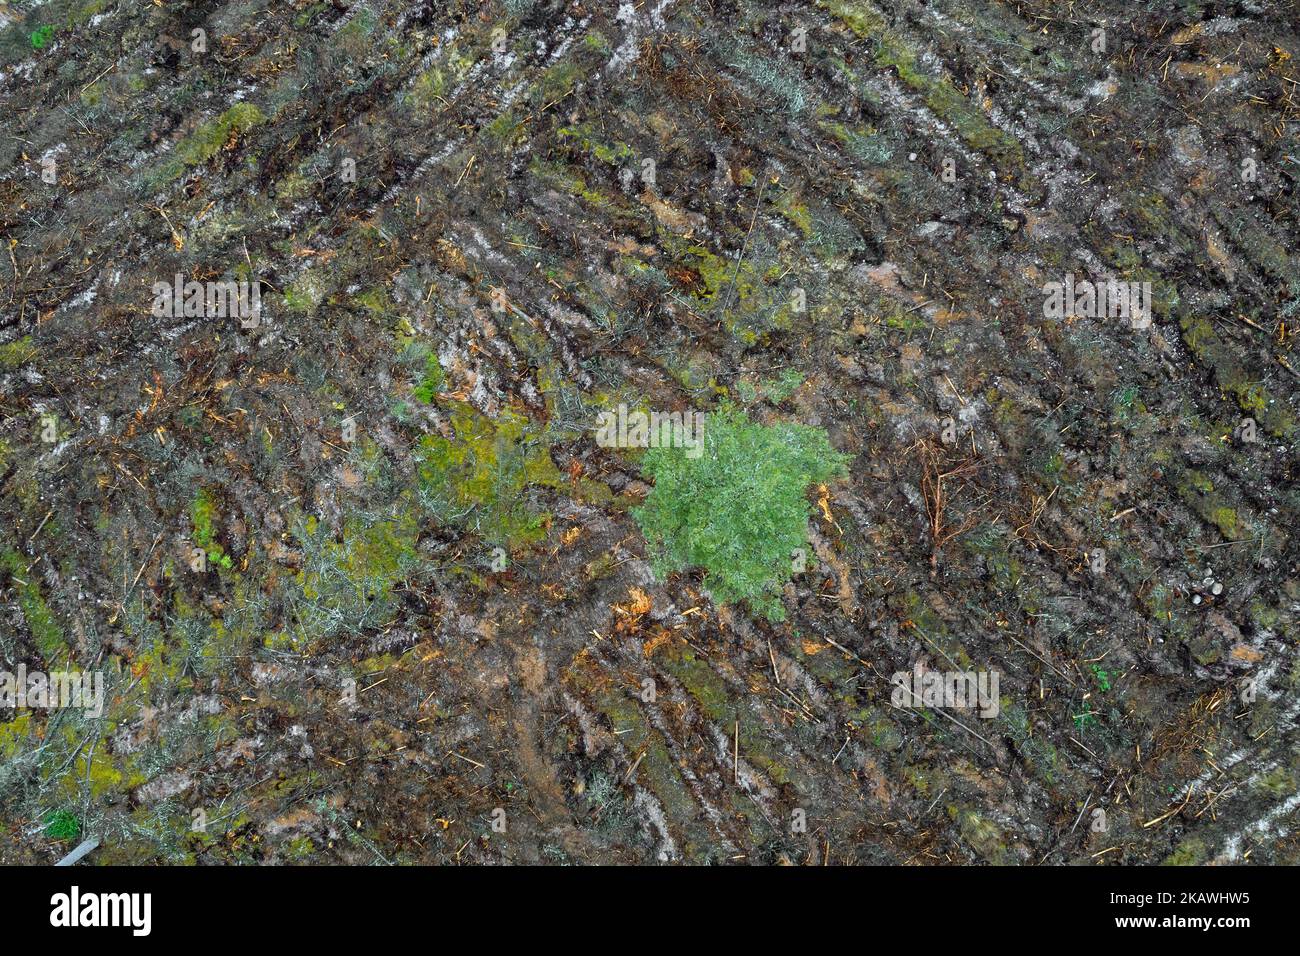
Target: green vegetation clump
{"points": [[62, 825], [203, 511], [41, 36], [738, 509], [777, 390], [431, 384]]}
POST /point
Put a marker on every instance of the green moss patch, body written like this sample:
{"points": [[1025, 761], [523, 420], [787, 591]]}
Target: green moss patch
{"points": [[477, 478], [206, 141], [203, 512], [46, 632]]}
